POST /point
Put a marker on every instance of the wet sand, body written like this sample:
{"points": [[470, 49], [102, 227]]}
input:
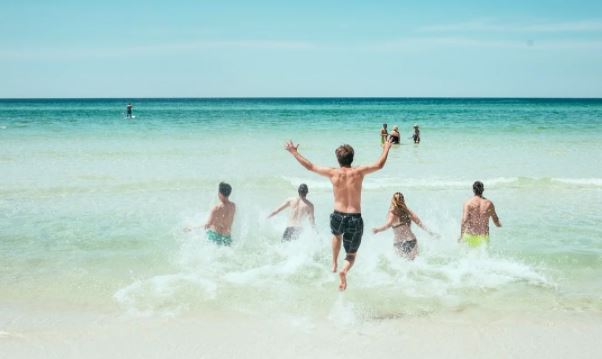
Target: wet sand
{"points": [[59, 334]]}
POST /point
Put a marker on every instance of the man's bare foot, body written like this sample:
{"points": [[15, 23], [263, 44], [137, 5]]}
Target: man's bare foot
{"points": [[343, 278], [334, 268]]}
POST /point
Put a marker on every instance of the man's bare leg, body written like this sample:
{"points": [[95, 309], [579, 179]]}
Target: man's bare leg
{"points": [[349, 260], [336, 248]]}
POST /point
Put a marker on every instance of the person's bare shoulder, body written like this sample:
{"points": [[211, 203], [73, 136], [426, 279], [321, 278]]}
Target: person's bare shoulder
{"points": [[359, 170], [472, 204], [490, 205]]}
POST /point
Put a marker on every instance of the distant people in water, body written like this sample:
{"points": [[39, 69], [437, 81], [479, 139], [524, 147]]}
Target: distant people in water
{"points": [[383, 134], [416, 135], [394, 136], [128, 110], [219, 223], [475, 218], [400, 218], [346, 222], [300, 209]]}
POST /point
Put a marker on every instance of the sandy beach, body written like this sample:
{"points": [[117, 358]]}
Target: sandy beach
{"points": [[57, 334]]}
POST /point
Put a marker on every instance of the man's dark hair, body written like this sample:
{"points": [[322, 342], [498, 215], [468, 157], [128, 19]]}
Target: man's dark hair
{"points": [[384, 125], [344, 155], [478, 188], [225, 189], [303, 190]]}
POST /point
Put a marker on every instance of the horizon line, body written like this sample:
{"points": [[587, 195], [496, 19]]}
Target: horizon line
{"points": [[302, 97]]}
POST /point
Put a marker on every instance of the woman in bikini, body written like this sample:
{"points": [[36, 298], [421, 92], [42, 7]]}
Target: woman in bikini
{"points": [[400, 217]]}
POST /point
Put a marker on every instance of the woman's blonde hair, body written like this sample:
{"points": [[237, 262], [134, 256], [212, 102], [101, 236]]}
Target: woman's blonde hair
{"points": [[398, 205]]}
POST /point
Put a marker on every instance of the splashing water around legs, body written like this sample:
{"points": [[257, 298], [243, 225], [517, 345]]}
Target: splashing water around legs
{"points": [[349, 260]]}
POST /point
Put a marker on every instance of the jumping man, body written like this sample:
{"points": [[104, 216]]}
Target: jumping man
{"points": [[346, 222]]}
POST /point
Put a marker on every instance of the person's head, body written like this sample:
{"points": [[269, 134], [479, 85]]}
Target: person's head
{"points": [[385, 126], [478, 188], [344, 155], [398, 204], [395, 128], [303, 190], [225, 189]]}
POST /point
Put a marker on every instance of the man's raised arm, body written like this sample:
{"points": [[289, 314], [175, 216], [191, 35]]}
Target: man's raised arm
{"points": [[324, 171], [380, 163]]}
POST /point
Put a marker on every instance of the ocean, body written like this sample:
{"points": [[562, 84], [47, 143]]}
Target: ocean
{"points": [[93, 207]]}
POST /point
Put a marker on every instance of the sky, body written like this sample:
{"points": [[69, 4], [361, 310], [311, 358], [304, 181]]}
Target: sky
{"points": [[300, 48]]}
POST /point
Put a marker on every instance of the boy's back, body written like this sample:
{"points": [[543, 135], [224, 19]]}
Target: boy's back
{"points": [[347, 189], [299, 209], [222, 217], [478, 210]]}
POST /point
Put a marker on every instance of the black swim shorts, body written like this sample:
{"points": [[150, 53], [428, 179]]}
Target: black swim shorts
{"points": [[291, 233], [405, 247], [351, 226]]}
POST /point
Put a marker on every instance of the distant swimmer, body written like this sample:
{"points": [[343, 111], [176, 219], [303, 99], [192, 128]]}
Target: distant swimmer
{"points": [[346, 222], [416, 135], [394, 136], [219, 223], [475, 219], [128, 110], [384, 134], [400, 218], [300, 208]]}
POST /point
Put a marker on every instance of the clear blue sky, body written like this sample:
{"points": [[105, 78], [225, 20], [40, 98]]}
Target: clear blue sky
{"points": [[306, 48]]}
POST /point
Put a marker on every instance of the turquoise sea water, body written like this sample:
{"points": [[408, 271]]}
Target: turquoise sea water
{"points": [[93, 206]]}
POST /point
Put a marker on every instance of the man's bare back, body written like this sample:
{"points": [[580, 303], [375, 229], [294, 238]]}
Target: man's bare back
{"points": [[347, 189], [477, 212], [300, 208], [221, 218]]}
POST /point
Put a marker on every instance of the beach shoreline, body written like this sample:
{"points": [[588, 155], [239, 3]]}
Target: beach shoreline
{"points": [[467, 334]]}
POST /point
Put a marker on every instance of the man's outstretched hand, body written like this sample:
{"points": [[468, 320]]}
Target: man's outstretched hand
{"points": [[290, 147]]}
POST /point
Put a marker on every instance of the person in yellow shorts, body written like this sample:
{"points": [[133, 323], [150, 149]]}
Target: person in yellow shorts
{"points": [[475, 240], [475, 219]]}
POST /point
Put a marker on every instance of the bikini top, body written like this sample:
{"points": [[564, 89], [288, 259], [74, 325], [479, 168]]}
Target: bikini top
{"points": [[404, 219]]}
